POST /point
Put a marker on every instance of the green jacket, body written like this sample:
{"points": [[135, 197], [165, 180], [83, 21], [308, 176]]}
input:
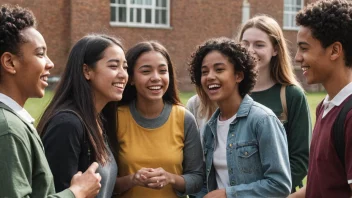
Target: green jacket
{"points": [[24, 169]]}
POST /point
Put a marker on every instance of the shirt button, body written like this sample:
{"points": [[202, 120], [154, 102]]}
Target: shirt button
{"points": [[246, 153], [233, 135], [230, 145]]}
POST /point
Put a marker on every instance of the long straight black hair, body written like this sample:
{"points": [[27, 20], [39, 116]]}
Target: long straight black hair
{"points": [[74, 91]]}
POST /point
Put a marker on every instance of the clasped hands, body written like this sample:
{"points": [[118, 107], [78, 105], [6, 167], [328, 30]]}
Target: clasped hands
{"points": [[155, 178]]}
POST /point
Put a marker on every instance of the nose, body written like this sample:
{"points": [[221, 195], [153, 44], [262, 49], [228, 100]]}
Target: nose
{"points": [[250, 49], [211, 75], [49, 64], [298, 57], [123, 74], [155, 76]]}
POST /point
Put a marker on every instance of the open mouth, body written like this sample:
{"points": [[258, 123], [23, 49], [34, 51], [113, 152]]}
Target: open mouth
{"points": [[214, 86], [154, 87], [44, 78], [118, 85], [304, 68]]}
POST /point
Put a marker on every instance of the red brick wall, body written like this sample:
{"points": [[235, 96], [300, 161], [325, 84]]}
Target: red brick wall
{"points": [[63, 22], [53, 22]]}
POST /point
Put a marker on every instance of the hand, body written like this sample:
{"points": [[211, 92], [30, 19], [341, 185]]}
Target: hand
{"points": [[221, 193], [86, 184], [158, 178], [140, 178]]}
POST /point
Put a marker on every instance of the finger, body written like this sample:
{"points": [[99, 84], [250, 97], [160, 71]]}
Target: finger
{"points": [[157, 179], [98, 176], [92, 168], [156, 185], [153, 174]]}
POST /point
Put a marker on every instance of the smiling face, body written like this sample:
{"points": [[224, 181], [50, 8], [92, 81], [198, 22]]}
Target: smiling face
{"points": [[218, 79], [151, 76], [313, 58], [32, 65], [109, 76], [259, 45]]}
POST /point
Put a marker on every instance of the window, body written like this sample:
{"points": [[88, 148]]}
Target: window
{"points": [[140, 13], [291, 7]]}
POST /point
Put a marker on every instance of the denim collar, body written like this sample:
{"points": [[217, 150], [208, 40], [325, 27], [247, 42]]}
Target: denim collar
{"points": [[243, 111]]}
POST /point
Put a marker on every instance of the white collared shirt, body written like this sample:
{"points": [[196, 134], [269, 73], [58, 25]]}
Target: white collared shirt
{"points": [[16, 108], [338, 99]]}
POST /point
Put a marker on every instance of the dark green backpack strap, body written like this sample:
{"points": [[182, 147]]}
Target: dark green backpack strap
{"points": [[338, 133]]}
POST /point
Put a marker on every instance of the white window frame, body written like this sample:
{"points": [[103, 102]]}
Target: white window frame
{"points": [[143, 7], [290, 5]]}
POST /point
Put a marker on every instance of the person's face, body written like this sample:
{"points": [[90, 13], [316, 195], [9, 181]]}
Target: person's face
{"points": [[312, 57], [218, 78], [32, 65], [151, 76], [259, 45], [109, 76]]}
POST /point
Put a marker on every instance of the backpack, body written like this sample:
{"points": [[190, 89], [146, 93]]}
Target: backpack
{"points": [[338, 130], [283, 115]]}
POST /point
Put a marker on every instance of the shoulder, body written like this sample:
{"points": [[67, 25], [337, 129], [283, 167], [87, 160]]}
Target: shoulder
{"points": [[11, 123], [260, 110], [193, 102], [294, 91], [65, 118]]}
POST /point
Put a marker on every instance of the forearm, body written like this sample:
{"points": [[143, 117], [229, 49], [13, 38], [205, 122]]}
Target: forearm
{"points": [[301, 193], [177, 182], [124, 183]]}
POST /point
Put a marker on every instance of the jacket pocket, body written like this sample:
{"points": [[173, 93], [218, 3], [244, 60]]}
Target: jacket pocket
{"points": [[248, 157]]}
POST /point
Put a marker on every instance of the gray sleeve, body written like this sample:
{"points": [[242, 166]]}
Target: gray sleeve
{"points": [[192, 157], [191, 104]]}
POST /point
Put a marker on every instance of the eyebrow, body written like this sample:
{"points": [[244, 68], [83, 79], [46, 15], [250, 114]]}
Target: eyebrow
{"points": [[115, 60], [149, 66], [40, 48], [215, 65], [302, 43]]}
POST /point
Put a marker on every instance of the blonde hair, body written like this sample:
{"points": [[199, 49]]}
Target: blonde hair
{"points": [[206, 106], [281, 69]]}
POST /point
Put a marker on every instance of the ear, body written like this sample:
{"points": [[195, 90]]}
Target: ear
{"points": [[275, 50], [8, 62], [239, 76], [336, 51], [87, 72]]}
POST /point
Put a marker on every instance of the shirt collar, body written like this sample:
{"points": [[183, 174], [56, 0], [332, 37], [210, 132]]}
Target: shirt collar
{"points": [[340, 97], [16, 108]]}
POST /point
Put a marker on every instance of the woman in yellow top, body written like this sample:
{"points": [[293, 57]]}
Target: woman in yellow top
{"points": [[160, 153]]}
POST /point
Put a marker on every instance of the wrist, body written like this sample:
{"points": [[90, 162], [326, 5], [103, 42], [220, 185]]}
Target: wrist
{"points": [[76, 191], [171, 177]]}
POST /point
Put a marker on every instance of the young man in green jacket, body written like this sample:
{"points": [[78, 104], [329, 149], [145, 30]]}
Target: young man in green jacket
{"points": [[24, 70]]}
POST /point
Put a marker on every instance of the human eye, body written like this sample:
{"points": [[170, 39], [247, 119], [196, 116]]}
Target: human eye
{"points": [[204, 72], [219, 70], [125, 67]]}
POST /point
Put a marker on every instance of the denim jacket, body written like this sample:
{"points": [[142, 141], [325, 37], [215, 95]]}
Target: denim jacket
{"points": [[256, 152]]}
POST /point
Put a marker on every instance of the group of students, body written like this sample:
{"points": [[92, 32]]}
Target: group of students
{"points": [[116, 126]]}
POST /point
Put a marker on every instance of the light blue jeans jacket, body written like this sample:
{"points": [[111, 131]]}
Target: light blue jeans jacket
{"points": [[256, 151]]}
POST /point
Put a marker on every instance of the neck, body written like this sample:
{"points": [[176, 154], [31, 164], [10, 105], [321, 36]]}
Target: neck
{"points": [[12, 92], [337, 81], [149, 109], [264, 80], [230, 106], [99, 105]]}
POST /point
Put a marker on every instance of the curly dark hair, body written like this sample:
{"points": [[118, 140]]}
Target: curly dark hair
{"points": [[330, 21], [237, 55], [14, 19]]}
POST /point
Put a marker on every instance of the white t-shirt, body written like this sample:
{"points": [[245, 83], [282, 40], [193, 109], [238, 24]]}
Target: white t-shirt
{"points": [[220, 160]]}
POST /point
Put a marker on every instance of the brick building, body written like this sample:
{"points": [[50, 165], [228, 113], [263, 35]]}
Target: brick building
{"points": [[180, 25]]}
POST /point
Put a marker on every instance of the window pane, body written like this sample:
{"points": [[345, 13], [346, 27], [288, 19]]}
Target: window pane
{"points": [[148, 2], [133, 1], [148, 15], [112, 1], [140, 2], [163, 16], [131, 15], [122, 14], [163, 3], [139, 15], [113, 13], [286, 20], [157, 16], [122, 1], [299, 3], [157, 3]]}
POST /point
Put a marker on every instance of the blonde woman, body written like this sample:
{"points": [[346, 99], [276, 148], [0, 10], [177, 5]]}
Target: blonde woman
{"points": [[277, 88]]}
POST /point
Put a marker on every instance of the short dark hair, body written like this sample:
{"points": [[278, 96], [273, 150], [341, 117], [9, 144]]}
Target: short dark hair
{"points": [[330, 21], [132, 55], [74, 91], [14, 19], [237, 55]]}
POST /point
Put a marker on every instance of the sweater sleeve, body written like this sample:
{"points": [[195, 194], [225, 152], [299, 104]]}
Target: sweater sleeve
{"points": [[192, 157], [62, 142], [299, 130]]}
